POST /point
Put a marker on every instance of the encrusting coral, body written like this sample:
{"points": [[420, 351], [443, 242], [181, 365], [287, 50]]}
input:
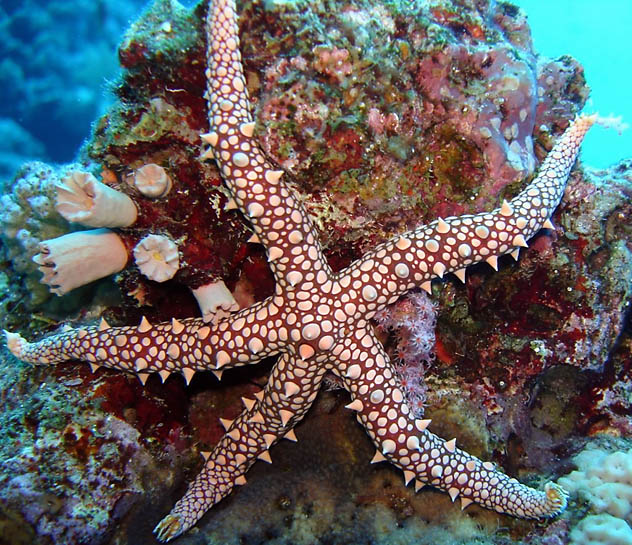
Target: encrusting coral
{"points": [[317, 320], [603, 480]]}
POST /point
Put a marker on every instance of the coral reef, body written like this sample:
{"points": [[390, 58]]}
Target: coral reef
{"points": [[28, 217], [359, 105], [420, 157], [70, 470]]}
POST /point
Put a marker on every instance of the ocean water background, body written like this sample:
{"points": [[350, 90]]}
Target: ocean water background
{"points": [[55, 69], [597, 34], [57, 59]]}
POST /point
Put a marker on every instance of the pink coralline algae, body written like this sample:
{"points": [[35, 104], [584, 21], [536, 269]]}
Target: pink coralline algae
{"points": [[439, 118], [499, 120], [334, 63]]}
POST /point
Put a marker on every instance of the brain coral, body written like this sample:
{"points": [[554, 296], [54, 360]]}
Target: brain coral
{"points": [[601, 529], [604, 480]]}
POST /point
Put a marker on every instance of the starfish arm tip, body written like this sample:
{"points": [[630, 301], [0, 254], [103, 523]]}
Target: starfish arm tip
{"points": [[556, 499], [609, 121], [15, 343], [169, 528]]}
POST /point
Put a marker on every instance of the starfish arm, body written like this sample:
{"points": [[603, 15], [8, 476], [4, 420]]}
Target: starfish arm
{"points": [[276, 213], [449, 245], [289, 393], [403, 440], [190, 345]]}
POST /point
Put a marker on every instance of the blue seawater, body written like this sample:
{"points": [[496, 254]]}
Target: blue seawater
{"points": [[57, 58], [597, 34]]}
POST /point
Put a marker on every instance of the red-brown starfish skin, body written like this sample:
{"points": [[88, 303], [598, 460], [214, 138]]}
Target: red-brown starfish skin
{"points": [[318, 321]]}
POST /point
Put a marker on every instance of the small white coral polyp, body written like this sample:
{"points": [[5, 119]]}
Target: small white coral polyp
{"points": [[157, 257], [152, 181], [215, 300]]}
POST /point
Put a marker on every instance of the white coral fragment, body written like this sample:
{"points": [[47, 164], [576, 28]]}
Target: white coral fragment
{"points": [[81, 198], [152, 181], [76, 259], [215, 300], [157, 257]]}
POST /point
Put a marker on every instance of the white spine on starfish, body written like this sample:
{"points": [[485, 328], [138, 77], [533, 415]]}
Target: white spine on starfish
{"points": [[317, 320]]}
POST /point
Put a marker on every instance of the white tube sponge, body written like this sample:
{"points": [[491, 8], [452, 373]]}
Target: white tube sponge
{"points": [[79, 258], [152, 181], [157, 257], [215, 300], [83, 199]]}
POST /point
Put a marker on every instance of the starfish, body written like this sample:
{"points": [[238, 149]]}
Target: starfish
{"points": [[318, 321]]}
